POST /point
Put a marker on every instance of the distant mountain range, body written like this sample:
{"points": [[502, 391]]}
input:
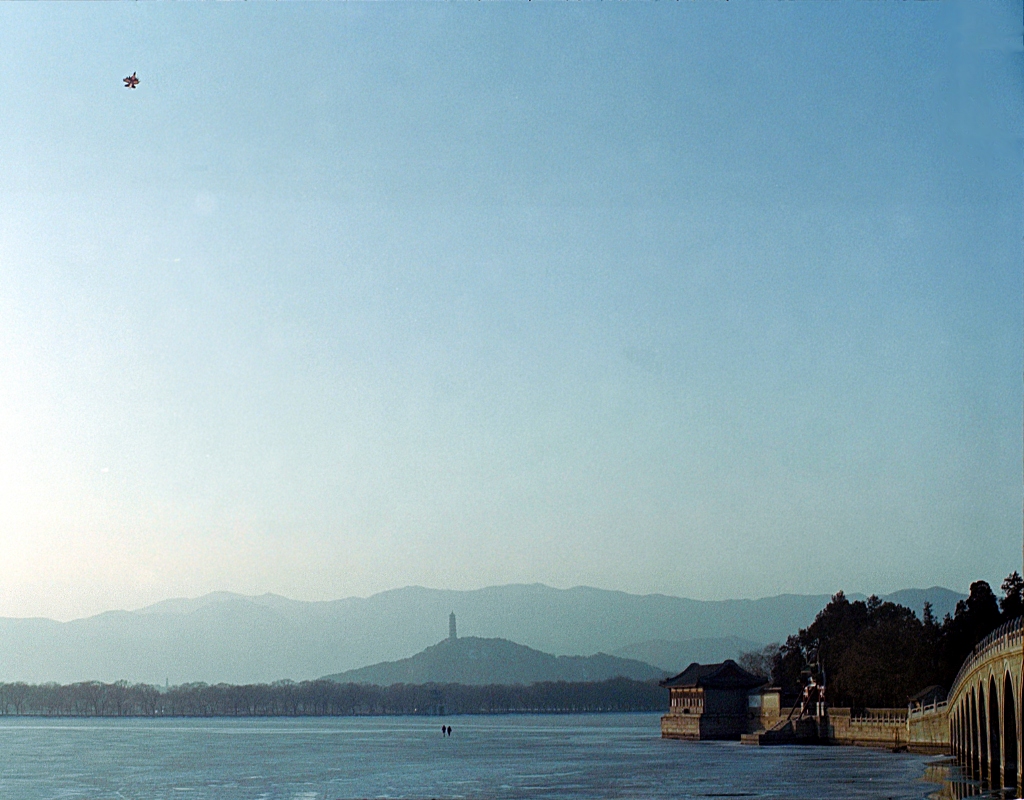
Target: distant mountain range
{"points": [[477, 661], [674, 657], [224, 637]]}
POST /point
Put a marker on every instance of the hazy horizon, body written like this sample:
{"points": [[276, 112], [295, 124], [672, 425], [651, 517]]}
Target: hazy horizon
{"points": [[853, 593], [699, 299], [238, 639]]}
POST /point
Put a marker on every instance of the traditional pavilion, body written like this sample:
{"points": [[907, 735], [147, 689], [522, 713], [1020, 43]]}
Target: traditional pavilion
{"points": [[709, 701]]}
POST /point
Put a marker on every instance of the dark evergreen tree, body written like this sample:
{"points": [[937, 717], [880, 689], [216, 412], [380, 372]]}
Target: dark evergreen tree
{"points": [[974, 619], [1012, 602], [878, 654]]}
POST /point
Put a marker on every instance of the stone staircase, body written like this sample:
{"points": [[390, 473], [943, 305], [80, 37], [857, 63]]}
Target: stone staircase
{"points": [[803, 730]]}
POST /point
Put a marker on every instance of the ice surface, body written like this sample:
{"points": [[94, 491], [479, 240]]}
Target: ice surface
{"points": [[512, 756]]}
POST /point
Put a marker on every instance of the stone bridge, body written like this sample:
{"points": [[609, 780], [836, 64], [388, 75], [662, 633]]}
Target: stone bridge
{"points": [[983, 708]]}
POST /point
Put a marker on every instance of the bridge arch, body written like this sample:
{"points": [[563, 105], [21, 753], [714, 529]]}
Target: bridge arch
{"points": [[965, 722], [954, 733], [995, 771], [972, 737], [984, 709], [961, 753], [975, 735], [983, 774], [1009, 733], [962, 714]]}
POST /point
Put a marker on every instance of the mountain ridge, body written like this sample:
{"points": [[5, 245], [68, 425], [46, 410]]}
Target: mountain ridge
{"points": [[226, 637], [473, 660]]}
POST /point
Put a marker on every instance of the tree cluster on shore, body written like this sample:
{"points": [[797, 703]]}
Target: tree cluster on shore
{"points": [[324, 698], [879, 654]]}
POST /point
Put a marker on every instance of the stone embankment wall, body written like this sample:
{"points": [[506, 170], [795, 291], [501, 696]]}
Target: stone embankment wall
{"points": [[680, 726], [923, 731], [872, 727], [928, 730], [702, 726], [920, 731]]}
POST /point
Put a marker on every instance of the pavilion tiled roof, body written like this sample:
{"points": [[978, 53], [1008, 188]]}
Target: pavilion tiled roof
{"points": [[727, 675]]}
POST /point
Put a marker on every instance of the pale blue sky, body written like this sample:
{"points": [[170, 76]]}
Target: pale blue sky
{"points": [[709, 299]]}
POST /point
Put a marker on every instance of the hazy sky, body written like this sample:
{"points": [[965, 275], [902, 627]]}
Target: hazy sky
{"points": [[710, 299]]}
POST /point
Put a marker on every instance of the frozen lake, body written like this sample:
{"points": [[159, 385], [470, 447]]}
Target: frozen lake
{"points": [[515, 756]]}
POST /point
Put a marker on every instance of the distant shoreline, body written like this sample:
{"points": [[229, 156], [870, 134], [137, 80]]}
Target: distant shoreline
{"points": [[324, 698]]}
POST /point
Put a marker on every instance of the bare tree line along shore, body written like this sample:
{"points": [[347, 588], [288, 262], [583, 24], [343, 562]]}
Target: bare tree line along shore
{"points": [[323, 698]]}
